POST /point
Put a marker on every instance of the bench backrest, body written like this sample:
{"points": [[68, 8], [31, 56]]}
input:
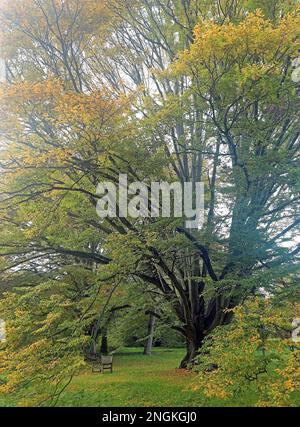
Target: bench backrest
{"points": [[106, 360]]}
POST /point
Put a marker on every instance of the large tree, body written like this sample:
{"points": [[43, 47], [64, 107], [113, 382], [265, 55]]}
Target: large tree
{"points": [[100, 88]]}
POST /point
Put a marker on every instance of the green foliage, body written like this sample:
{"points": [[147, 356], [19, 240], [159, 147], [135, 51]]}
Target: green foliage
{"points": [[44, 342], [255, 352]]}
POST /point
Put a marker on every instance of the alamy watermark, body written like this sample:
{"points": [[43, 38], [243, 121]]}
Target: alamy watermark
{"points": [[156, 199]]}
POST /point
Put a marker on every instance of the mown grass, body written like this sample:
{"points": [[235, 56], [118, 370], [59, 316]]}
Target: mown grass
{"points": [[144, 381], [140, 380]]}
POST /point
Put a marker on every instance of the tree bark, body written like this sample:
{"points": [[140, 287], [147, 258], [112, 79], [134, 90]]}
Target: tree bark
{"points": [[104, 343], [149, 342], [93, 347], [194, 341]]}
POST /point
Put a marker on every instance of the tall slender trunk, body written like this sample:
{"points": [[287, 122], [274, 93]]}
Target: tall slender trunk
{"points": [[149, 342], [93, 346], [104, 343]]}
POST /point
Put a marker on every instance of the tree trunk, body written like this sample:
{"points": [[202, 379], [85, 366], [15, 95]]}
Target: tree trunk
{"points": [[194, 341], [149, 342], [93, 346], [104, 343]]}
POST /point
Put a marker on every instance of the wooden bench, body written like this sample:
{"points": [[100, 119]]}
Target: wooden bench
{"points": [[105, 363]]}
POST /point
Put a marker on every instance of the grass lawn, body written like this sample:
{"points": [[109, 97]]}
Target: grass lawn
{"points": [[140, 380]]}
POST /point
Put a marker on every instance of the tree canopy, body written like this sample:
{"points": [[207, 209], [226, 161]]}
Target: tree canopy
{"points": [[159, 90]]}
